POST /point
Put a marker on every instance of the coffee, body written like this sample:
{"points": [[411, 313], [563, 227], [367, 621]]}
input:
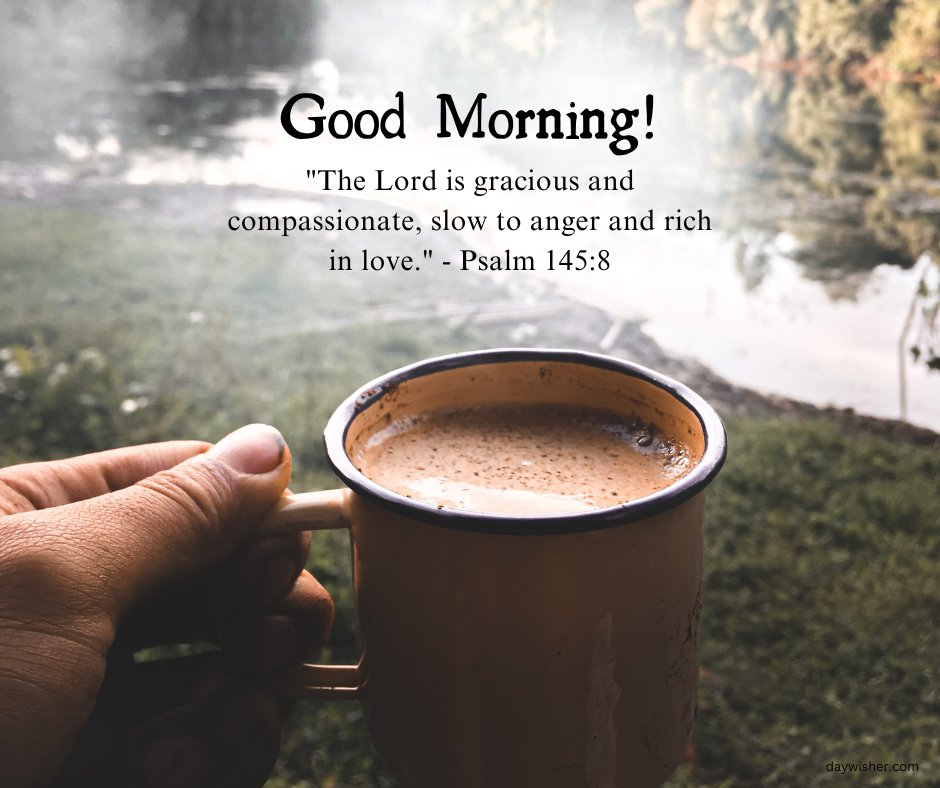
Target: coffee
{"points": [[522, 458]]}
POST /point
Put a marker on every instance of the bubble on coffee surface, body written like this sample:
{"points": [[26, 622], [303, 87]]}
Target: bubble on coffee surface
{"points": [[522, 459]]}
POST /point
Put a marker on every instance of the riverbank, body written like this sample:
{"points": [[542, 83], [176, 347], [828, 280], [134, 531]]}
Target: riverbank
{"points": [[511, 311]]}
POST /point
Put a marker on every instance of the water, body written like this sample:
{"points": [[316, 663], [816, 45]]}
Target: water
{"points": [[817, 283]]}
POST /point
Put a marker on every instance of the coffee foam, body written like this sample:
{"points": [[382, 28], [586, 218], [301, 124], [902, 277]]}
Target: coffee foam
{"points": [[522, 459]]}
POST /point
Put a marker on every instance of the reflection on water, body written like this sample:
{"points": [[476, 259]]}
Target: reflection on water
{"points": [[831, 166], [833, 107], [823, 285], [132, 75]]}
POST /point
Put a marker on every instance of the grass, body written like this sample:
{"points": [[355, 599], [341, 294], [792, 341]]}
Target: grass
{"points": [[819, 639]]}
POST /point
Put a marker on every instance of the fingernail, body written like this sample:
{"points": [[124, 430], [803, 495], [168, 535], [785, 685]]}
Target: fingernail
{"points": [[276, 580], [257, 448]]}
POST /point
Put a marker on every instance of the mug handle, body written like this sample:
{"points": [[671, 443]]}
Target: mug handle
{"points": [[313, 511]]}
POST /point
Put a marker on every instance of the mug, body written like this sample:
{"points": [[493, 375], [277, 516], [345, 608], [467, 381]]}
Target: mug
{"points": [[519, 651]]}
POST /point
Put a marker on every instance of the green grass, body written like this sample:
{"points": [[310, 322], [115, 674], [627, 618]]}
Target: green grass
{"points": [[819, 629], [819, 637]]}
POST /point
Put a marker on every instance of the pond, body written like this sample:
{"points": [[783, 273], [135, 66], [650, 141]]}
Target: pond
{"points": [[818, 280]]}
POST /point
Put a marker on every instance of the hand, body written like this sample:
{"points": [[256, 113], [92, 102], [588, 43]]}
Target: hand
{"points": [[105, 554]]}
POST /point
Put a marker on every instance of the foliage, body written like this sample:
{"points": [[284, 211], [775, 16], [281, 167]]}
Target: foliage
{"points": [[822, 124], [911, 132], [829, 33], [71, 405], [915, 43], [842, 31]]}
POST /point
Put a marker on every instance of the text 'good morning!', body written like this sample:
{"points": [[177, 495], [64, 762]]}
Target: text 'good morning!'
{"points": [[475, 120]]}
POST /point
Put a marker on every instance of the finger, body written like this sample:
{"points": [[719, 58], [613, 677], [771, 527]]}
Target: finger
{"points": [[41, 485], [181, 722], [131, 694], [264, 570], [311, 606], [229, 735], [160, 686], [292, 629], [164, 531], [190, 614]]}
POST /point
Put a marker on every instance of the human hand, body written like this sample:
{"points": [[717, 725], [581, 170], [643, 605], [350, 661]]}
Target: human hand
{"points": [[105, 554]]}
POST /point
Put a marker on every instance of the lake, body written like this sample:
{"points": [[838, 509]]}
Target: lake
{"points": [[818, 280]]}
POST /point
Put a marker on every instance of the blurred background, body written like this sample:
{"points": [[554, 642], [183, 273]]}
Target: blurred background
{"points": [[808, 131]]}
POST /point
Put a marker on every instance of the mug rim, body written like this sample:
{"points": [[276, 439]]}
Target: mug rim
{"points": [[681, 490]]}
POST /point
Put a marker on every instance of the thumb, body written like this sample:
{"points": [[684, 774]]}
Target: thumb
{"points": [[170, 527]]}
